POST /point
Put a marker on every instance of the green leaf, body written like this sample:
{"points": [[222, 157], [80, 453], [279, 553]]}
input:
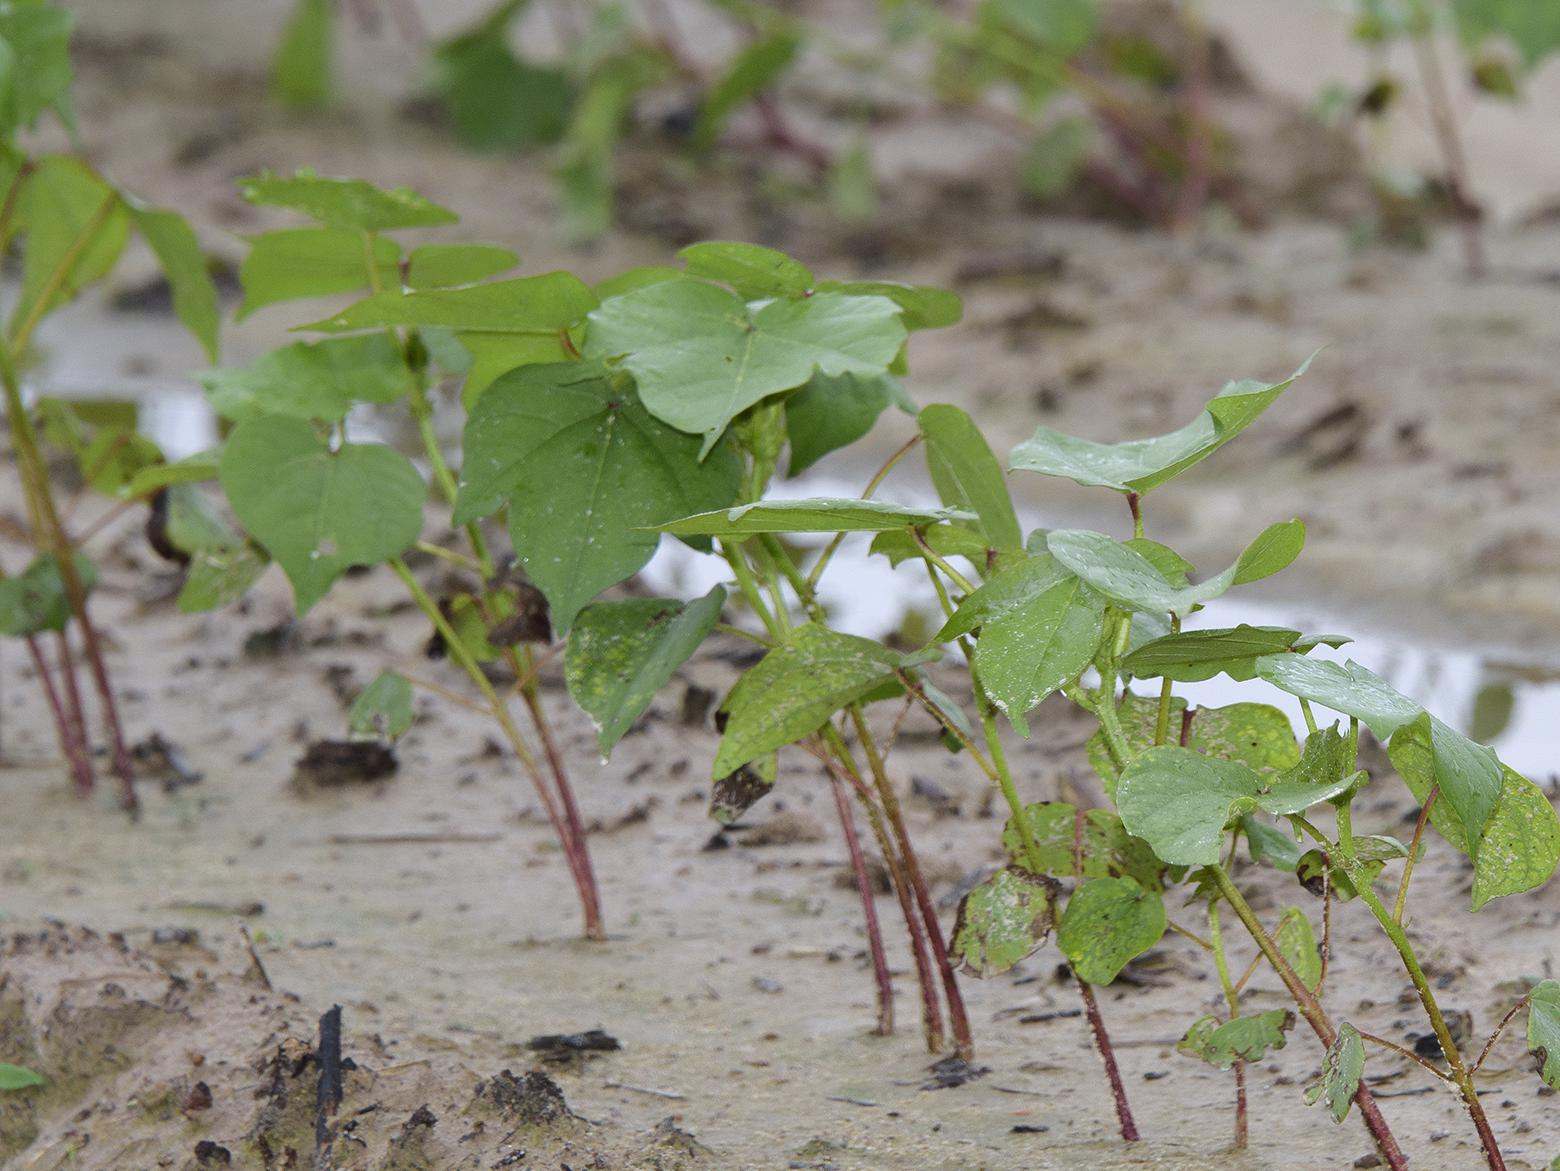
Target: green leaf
{"points": [[621, 653], [1327, 757], [1002, 921], [1468, 774], [1109, 922], [921, 306], [317, 511], [1254, 734], [1520, 844], [300, 70], [346, 203], [1533, 28], [1350, 688], [1275, 549], [1297, 943], [1195, 655], [751, 270], [173, 242], [967, 474], [1269, 843], [1543, 1030], [16, 1077], [36, 600], [1140, 465], [1179, 801], [37, 73], [192, 469], [755, 69], [1109, 851], [1063, 27], [702, 357], [383, 708], [586, 473], [497, 101], [542, 304], [833, 411], [818, 515], [75, 228], [219, 576], [1246, 1038], [192, 522], [796, 687], [441, 266], [1055, 158], [1125, 576], [294, 263], [318, 380], [1342, 1067], [899, 546]]}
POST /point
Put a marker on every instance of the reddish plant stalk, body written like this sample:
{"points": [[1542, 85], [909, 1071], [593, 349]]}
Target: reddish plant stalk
{"points": [[575, 843], [75, 715], [66, 728], [858, 864]]}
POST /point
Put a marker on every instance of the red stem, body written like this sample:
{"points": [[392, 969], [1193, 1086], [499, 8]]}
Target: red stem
{"points": [[1240, 1106], [1118, 1091], [70, 743], [885, 987], [75, 714], [574, 842]]}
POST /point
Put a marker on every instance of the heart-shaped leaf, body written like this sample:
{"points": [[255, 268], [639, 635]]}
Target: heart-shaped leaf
{"points": [[1002, 921], [1108, 923]]}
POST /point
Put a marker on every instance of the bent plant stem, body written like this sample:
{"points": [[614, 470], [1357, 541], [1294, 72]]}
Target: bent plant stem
{"points": [[1461, 1077], [858, 864], [840, 763], [1311, 1009], [500, 714], [958, 1019], [1232, 999], [1413, 853], [57, 542], [68, 728]]}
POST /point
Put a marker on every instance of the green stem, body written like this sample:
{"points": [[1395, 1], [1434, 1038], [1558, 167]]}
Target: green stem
{"points": [[1232, 1000], [827, 555], [1310, 716], [938, 560], [781, 560], [1413, 853], [749, 588]]}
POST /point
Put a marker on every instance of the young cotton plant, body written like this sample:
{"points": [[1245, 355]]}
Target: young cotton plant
{"points": [[69, 226]]}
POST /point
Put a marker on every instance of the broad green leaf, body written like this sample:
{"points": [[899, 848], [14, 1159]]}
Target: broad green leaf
{"points": [[1194, 655], [441, 266], [383, 708], [178, 252], [1002, 921], [1520, 845], [17, 1077], [37, 73], [1342, 1067], [945, 540], [193, 523], [1468, 774], [1297, 943], [755, 69], [75, 226], [1275, 549], [1254, 734], [1533, 27], [192, 469], [586, 473], [1140, 465], [630, 279], [36, 600], [219, 576], [1246, 1038], [796, 688], [1543, 1030], [1348, 688], [491, 355], [967, 474], [833, 411], [317, 511], [1109, 851], [1005, 594], [753, 271], [497, 101], [1179, 801], [1109, 922], [300, 70], [310, 380], [346, 203], [621, 653], [542, 304], [921, 306], [701, 356], [294, 263], [1270, 843], [1062, 27], [820, 515]]}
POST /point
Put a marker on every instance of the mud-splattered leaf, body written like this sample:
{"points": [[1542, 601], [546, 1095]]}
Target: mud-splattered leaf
{"points": [[1140, 465], [1297, 943], [1342, 1067], [1109, 851], [1108, 923], [735, 793], [967, 474], [1255, 734], [796, 687], [1543, 1029], [383, 708], [621, 653], [586, 472], [317, 511], [702, 356], [1003, 920], [1246, 1038]]}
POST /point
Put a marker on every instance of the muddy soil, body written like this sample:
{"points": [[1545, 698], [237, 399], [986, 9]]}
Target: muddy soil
{"points": [[432, 905]]}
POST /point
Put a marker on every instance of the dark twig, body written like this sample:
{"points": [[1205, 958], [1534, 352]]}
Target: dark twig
{"points": [[329, 1057]]}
